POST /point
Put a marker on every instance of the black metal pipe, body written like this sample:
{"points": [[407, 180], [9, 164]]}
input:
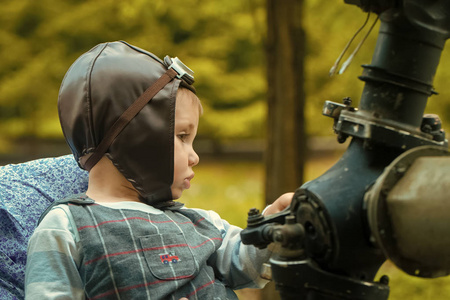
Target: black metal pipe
{"points": [[399, 79]]}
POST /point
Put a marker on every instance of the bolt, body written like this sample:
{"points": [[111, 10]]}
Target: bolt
{"points": [[342, 137], [347, 101], [253, 212], [384, 280], [430, 123], [254, 217]]}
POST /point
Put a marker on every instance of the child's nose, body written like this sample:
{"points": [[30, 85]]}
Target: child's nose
{"points": [[193, 158]]}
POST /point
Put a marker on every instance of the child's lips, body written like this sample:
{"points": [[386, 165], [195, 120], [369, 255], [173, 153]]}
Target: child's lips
{"points": [[187, 181]]}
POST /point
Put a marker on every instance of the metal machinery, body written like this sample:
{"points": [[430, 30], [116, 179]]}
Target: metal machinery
{"points": [[387, 197]]}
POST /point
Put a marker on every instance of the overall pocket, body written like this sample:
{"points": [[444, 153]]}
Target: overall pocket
{"points": [[168, 256]]}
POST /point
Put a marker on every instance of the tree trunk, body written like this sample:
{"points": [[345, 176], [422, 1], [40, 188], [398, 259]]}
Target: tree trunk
{"points": [[286, 138]]}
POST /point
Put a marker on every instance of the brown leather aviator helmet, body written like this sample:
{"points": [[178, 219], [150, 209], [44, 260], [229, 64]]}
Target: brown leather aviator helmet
{"points": [[119, 100]]}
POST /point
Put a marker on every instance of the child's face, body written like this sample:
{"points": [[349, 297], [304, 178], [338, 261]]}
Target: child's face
{"points": [[186, 123]]}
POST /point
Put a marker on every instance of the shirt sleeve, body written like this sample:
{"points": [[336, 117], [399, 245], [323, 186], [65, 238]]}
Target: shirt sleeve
{"points": [[53, 258], [238, 265]]}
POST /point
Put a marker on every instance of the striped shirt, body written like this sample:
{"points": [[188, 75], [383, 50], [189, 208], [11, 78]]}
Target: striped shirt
{"points": [[131, 250]]}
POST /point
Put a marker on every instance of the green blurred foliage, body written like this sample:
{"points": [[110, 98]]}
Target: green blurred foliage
{"points": [[223, 41]]}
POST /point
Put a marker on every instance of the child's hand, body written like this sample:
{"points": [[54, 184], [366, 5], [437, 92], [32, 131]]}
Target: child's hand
{"points": [[281, 203]]}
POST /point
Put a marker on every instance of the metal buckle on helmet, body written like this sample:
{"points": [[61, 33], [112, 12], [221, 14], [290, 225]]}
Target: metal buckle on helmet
{"points": [[183, 71]]}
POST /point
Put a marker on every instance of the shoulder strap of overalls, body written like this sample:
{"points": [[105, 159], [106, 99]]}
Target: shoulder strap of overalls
{"points": [[75, 199]]}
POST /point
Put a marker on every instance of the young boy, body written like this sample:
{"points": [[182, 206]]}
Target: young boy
{"points": [[126, 238]]}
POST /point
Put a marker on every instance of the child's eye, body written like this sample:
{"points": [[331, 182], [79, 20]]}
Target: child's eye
{"points": [[183, 136]]}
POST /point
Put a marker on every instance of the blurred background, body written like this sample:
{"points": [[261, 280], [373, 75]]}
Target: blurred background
{"points": [[225, 43]]}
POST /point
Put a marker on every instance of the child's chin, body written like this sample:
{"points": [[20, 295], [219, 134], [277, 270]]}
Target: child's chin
{"points": [[176, 194]]}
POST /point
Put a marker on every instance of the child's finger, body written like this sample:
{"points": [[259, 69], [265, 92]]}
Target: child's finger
{"points": [[281, 203]]}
